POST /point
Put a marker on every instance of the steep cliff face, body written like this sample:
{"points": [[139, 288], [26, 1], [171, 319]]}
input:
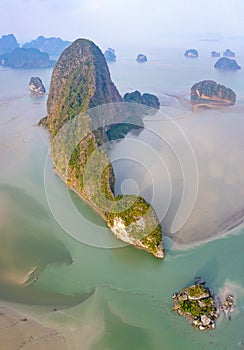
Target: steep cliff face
{"points": [[80, 81]]}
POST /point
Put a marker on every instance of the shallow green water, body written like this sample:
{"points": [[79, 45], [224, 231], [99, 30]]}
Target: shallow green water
{"points": [[115, 298]]}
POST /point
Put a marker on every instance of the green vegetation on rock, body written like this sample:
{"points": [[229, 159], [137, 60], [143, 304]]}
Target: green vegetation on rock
{"points": [[110, 55], [137, 218], [81, 81], [197, 304], [210, 92]]}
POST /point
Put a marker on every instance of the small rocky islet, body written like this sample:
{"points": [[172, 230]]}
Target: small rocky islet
{"points": [[146, 99], [191, 53], [36, 86], [110, 55], [21, 58], [215, 54], [198, 304], [141, 58], [229, 53]]}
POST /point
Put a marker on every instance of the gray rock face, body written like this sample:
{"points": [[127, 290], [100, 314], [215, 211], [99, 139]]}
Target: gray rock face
{"points": [[36, 86], [205, 320]]}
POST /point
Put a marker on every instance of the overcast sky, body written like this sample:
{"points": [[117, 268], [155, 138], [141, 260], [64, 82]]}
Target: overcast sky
{"points": [[107, 21]]}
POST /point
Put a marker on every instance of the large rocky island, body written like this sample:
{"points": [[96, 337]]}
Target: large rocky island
{"points": [[208, 93], [80, 81]]}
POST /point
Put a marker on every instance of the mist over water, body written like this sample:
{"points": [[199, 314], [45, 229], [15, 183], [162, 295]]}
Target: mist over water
{"points": [[216, 138]]}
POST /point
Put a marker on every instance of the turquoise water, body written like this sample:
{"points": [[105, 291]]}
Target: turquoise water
{"points": [[107, 298]]}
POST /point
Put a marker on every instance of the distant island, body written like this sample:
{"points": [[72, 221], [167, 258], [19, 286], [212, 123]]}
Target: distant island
{"points": [[208, 93], [7, 44], [34, 54], [81, 80], [110, 55], [53, 46], [215, 54], [226, 63], [26, 58], [191, 53], [229, 53], [141, 58]]}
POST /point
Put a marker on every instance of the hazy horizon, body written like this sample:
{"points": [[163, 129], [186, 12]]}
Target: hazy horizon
{"points": [[125, 22]]}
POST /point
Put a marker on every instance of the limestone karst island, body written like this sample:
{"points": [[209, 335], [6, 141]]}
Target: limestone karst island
{"points": [[208, 93], [81, 81]]}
